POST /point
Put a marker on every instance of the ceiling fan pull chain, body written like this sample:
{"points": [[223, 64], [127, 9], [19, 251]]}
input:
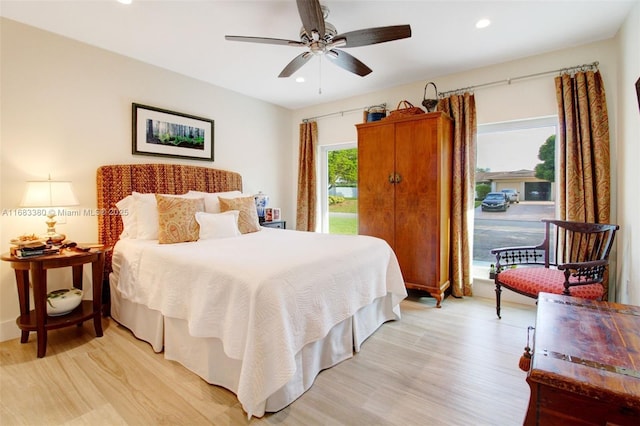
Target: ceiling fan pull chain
{"points": [[319, 75]]}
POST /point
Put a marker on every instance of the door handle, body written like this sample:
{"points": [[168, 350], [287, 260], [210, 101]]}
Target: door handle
{"points": [[395, 178]]}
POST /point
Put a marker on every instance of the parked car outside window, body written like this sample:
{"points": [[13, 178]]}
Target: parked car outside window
{"points": [[495, 201], [512, 195]]}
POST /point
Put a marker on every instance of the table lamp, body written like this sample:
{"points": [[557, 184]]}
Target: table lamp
{"points": [[49, 193]]}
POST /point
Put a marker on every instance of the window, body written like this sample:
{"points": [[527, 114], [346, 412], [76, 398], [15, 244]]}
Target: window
{"points": [[515, 158], [339, 183]]}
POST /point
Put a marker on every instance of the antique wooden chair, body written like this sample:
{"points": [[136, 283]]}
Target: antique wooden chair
{"points": [[571, 260]]}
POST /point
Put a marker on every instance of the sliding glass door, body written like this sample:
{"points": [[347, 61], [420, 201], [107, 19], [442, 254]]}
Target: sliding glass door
{"points": [[339, 188]]}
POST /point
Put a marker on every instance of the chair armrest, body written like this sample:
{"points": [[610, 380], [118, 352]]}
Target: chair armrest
{"points": [[524, 255], [503, 249], [581, 273], [583, 265]]}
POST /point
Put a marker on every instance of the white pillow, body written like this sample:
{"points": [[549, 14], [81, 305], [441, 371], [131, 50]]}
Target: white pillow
{"points": [[146, 214], [211, 201], [127, 214], [146, 209], [218, 225]]}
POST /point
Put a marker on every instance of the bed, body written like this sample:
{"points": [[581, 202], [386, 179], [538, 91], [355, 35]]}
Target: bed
{"points": [[259, 313]]}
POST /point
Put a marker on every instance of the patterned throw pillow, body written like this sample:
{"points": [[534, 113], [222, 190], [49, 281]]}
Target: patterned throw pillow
{"points": [[145, 213], [248, 218], [177, 219], [212, 200]]}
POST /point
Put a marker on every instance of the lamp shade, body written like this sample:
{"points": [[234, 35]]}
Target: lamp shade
{"points": [[49, 193]]}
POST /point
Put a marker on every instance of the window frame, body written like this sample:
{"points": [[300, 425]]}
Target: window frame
{"points": [[480, 269], [324, 180]]}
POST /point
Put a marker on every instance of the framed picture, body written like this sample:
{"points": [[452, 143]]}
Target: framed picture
{"points": [[166, 133], [638, 91]]}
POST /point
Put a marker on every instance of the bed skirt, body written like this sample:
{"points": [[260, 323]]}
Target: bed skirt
{"points": [[206, 357], [146, 324]]}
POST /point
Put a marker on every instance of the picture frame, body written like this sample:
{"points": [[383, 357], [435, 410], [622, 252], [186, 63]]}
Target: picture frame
{"points": [[638, 91], [164, 133]]}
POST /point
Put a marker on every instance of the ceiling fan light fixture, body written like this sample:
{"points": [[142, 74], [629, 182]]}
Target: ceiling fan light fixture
{"points": [[322, 38], [339, 42], [483, 23]]}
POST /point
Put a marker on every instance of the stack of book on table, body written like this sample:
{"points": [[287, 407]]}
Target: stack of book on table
{"points": [[30, 248], [23, 252]]}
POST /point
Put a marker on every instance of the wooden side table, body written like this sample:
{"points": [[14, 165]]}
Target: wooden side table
{"points": [[37, 319]]}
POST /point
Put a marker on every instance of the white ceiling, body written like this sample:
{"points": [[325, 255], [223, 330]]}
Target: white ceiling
{"points": [[187, 36]]}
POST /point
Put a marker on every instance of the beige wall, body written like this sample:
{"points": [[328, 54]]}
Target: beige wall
{"points": [[521, 99], [66, 110], [530, 98], [627, 159]]}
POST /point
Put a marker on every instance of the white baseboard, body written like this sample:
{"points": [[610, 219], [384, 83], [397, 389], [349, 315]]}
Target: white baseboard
{"points": [[486, 288], [9, 330]]}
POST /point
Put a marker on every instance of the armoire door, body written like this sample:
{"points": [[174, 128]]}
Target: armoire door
{"points": [[376, 159], [404, 182], [416, 201]]}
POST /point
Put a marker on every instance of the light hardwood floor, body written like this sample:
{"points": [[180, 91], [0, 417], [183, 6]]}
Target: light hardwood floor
{"points": [[457, 365]]}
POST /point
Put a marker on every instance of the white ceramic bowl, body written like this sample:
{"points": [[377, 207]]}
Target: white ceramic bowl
{"points": [[63, 301]]}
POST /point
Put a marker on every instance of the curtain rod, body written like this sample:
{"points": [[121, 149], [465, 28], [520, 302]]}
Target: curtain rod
{"points": [[583, 67], [306, 120]]}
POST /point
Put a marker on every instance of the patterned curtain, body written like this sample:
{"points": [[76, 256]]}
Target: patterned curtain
{"points": [[462, 108], [583, 148], [583, 145], [306, 209]]}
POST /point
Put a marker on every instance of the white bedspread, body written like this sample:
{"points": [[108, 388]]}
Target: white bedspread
{"points": [[264, 295]]}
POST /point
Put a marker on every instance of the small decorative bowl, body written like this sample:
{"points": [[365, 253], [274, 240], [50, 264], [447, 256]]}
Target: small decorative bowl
{"points": [[63, 301]]}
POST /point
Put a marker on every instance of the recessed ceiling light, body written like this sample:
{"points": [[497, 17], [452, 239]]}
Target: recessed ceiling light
{"points": [[299, 79], [483, 23], [125, 1]]}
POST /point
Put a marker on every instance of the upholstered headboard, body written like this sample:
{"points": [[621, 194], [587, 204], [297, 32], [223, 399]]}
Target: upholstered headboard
{"points": [[117, 181]]}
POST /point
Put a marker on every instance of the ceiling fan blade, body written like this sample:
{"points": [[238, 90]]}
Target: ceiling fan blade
{"points": [[264, 40], [296, 64], [374, 35], [311, 16], [348, 62]]}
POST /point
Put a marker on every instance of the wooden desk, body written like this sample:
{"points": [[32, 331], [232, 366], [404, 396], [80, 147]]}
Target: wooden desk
{"points": [[37, 319], [585, 367]]}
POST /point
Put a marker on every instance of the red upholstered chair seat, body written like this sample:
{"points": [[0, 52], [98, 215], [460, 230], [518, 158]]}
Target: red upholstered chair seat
{"points": [[576, 247], [580, 248], [531, 281]]}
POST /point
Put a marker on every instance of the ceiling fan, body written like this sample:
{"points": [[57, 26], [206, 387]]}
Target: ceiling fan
{"points": [[321, 38]]}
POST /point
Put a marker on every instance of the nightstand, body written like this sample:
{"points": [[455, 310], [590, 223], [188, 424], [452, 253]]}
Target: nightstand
{"points": [[37, 319], [280, 224]]}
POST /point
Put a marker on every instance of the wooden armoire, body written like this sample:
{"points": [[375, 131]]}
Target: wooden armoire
{"points": [[404, 194]]}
